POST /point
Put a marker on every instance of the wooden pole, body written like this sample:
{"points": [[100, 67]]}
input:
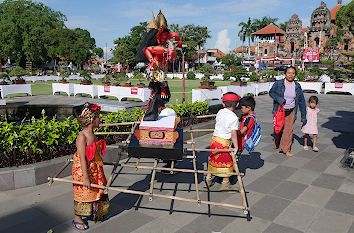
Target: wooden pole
{"points": [[198, 130], [240, 182], [112, 133], [172, 166], [148, 194], [137, 164], [206, 116], [152, 180], [195, 170], [119, 157], [170, 169], [131, 133], [61, 170], [109, 182], [213, 150], [119, 124]]}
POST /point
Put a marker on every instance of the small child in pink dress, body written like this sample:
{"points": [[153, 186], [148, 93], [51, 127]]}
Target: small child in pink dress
{"points": [[311, 125]]}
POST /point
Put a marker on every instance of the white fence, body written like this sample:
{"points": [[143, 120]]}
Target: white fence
{"points": [[15, 89], [99, 90], [340, 87]]}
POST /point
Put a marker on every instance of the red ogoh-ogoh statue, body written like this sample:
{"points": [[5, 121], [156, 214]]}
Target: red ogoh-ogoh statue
{"points": [[157, 49]]}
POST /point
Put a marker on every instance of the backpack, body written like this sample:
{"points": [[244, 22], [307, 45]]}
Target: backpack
{"points": [[255, 137]]}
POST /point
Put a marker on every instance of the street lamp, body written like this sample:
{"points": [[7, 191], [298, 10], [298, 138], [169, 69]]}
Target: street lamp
{"points": [[183, 66]]}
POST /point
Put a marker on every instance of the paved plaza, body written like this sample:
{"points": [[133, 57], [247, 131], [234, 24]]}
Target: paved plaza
{"points": [[309, 192]]}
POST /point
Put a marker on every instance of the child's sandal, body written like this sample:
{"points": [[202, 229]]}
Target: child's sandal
{"points": [[306, 148], [315, 149]]}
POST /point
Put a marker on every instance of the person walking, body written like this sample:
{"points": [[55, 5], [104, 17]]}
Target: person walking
{"points": [[288, 94]]}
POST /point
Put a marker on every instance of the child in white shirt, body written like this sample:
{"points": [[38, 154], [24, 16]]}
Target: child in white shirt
{"points": [[226, 127]]}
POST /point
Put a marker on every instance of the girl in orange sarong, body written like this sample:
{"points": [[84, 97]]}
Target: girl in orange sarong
{"points": [[88, 168]]}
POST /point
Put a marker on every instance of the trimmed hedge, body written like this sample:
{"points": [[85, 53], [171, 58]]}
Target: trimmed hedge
{"points": [[44, 139]]}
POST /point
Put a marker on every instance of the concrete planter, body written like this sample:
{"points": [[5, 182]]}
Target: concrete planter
{"points": [[32, 174]]}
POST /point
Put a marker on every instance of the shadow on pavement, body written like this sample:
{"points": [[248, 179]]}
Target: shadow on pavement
{"points": [[33, 219], [344, 124]]}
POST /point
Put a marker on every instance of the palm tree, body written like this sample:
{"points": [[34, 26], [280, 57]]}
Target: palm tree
{"points": [[258, 24], [246, 32]]}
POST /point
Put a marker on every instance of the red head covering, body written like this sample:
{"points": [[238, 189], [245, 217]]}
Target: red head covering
{"points": [[230, 97]]}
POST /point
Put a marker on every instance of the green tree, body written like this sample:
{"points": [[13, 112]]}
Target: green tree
{"points": [[18, 72], [283, 26], [64, 74], [246, 32], [98, 52], [194, 36], [239, 72], [86, 76], [345, 16], [316, 71], [76, 45], [126, 47], [22, 25], [231, 61], [4, 77], [301, 76], [190, 75], [207, 70], [258, 24], [254, 77]]}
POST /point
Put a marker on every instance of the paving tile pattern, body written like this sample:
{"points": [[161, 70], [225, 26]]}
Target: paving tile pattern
{"points": [[309, 192]]}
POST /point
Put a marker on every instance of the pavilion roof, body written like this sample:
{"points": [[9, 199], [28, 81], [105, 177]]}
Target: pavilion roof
{"points": [[245, 48], [334, 11], [268, 30], [217, 53]]}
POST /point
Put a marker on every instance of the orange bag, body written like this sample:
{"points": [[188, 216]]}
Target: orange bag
{"points": [[279, 119]]}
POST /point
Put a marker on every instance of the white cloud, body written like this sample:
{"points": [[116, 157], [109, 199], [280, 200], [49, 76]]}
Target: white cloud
{"points": [[80, 21], [306, 22], [223, 41]]}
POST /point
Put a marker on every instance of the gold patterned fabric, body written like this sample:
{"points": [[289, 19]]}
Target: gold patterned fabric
{"points": [[220, 161], [83, 208], [96, 209], [87, 201]]}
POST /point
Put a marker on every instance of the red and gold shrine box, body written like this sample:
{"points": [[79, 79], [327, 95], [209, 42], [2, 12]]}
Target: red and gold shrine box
{"points": [[160, 132], [157, 139]]}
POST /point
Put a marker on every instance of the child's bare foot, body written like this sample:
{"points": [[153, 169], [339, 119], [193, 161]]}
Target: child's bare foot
{"points": [[315, 149], [289, 154], [306, 147]]}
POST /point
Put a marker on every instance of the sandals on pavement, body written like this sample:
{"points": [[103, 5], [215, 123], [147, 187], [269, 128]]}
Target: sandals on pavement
{"points": [[79, 223], [306, 148], [315, 149]]}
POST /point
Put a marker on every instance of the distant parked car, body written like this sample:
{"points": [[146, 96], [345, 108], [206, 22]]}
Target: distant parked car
{"points": [[281, 67]]}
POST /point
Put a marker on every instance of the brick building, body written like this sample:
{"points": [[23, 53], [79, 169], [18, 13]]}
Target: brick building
{"points": [[268, 41]]}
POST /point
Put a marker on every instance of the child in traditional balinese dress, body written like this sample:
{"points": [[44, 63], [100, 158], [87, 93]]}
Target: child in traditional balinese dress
{"points": [[311, 125], [88, 168], [225, 131]]}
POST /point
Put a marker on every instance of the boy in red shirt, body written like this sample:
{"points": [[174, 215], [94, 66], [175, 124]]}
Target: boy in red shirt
{"points": [[246, 123]]}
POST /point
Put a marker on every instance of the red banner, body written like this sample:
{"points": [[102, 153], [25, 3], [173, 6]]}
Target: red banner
{"points": [[338, 85], [134, 91], [311, 55]]}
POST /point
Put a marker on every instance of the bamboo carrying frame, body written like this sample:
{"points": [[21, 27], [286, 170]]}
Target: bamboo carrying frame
{"points": [[154, 168]]}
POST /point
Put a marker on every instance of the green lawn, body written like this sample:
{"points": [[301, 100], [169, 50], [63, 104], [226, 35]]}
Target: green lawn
{"points": [[176, 87]]}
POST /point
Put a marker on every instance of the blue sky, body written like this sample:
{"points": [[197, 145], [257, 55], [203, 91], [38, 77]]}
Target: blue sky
{"points": [[109, 19]]}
